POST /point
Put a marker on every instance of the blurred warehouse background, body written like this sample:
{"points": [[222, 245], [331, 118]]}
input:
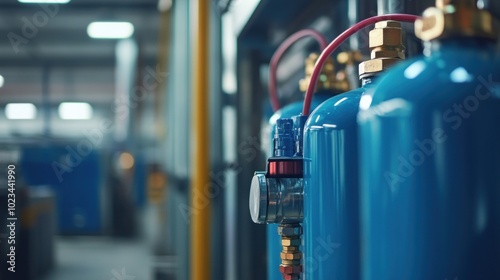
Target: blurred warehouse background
{"points": [[97, 106]]}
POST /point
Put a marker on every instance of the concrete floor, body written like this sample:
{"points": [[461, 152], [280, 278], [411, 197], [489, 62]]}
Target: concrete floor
{"points": [[101, 258]]}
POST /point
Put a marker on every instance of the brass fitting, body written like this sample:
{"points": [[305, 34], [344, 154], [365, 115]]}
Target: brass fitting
{"points": [[349, 57], [291, 256], [386, 45], [455, 18], [290, 241], [328, 79], [284, 269]]}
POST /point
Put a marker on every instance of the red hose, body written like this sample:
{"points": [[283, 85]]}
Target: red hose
{"points": [[337, 42], [273, 67]]}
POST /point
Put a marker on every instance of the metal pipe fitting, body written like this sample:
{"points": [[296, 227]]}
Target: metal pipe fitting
{"points": [[466, 18], [291, 256], [329, 79], [386, 45]]}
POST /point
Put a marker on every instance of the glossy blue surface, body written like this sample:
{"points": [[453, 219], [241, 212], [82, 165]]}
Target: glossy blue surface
{"points": [[331, 220], [273, 239], [430, 165]]}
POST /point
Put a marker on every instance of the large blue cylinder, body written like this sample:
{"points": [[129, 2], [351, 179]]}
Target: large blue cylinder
{"points": [[331, 220], [274, 247], [430, 165]]}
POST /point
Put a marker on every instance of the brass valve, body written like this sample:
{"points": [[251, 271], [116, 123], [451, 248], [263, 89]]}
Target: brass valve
{"points": [[349, 57], [386, 45], [455, 18], [328, 78]]}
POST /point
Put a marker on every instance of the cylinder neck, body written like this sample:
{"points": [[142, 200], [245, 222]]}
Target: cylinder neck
{"points": [[367, 81]]}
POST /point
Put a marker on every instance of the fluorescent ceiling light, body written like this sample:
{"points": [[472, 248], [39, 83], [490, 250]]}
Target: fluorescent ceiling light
{"points": [[110, 30], [75, 111], [2, 81], [20, 111], [45, 1]]}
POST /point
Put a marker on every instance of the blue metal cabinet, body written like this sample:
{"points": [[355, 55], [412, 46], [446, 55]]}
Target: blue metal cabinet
{"points": [[75, 180], [430, 165], [331, 221]]}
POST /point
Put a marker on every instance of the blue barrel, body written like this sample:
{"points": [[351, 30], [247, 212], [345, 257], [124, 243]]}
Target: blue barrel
{"points": [[430, 166], [331, 220], [273, 239]]}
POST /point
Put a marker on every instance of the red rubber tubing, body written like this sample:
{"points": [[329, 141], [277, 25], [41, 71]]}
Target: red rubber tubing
{"points": [[273, 67], [337, 42]]}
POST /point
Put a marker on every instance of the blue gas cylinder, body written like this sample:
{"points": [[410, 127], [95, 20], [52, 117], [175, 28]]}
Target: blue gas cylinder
{"points": [[331, 183], [331, 189], [430, 165], [274, 247]]}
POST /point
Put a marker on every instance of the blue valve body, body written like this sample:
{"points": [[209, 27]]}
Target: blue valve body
{"points": [[284, 143]]}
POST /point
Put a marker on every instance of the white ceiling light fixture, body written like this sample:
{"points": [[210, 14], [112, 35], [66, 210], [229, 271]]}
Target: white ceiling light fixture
{"points": [[45, 1], [110, 30], [75, 111], [2, 81], [20, 111]]}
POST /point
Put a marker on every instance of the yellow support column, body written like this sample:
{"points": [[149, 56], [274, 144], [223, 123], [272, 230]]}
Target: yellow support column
{"points": [[200, 201]]}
